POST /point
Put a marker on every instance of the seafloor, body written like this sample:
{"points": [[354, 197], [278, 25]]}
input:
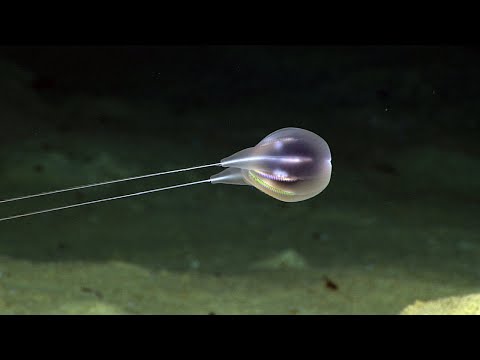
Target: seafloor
{"points": [[397, 224]]}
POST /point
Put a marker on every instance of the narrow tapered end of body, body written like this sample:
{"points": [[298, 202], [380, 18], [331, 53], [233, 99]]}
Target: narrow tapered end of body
{"points": [[231, 176]]}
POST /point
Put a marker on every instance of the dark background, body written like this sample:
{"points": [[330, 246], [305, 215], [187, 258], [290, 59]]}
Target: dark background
{"points": [[425, 82]]}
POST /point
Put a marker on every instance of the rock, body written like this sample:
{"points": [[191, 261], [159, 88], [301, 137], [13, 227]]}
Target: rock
{"points": [[88, 308], [287, 259], [456, 305]]}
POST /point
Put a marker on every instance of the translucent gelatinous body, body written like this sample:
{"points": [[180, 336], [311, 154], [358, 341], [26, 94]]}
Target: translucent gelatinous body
{"points": [[290, 164]]}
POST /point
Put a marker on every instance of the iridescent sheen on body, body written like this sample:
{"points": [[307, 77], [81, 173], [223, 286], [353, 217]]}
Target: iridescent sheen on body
{"points": [[290, 164]]}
